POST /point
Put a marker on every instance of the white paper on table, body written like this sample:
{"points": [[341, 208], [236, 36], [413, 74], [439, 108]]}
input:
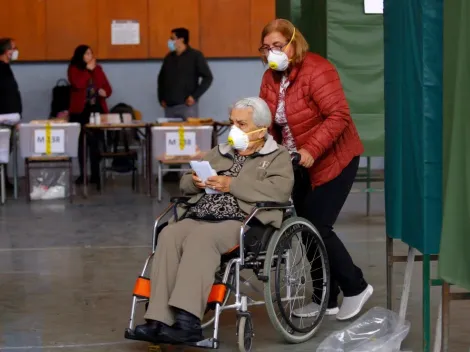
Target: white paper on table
{"points": [[169, 119], [125, 32], [9, 119], [204, 170]]}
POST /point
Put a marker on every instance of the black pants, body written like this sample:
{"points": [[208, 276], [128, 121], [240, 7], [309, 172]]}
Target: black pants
{"points": [[94, 140], [321, 206]]}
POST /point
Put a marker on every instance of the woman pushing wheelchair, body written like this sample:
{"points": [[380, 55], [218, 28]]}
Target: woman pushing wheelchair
{"points": [[251, 167], [311, 117]]}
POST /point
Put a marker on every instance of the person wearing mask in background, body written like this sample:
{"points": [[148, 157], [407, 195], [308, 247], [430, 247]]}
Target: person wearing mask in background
{"points": [[89, 90], [312, 117], [184, 77], [10, 97]]}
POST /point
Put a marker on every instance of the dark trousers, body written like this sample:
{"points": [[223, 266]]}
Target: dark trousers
{"points": [[321, 206], [94, 139], [182, 110]]}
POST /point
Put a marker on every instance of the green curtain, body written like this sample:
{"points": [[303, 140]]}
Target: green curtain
{"points": [[413, 122], [355, 46], [353, 41], [454, 260], [310, 17]]}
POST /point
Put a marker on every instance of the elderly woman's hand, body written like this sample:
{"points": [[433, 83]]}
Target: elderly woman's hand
{"points": [[198, 182], [219, 183]]}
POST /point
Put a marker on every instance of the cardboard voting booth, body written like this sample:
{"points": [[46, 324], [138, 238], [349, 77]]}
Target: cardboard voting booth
{"points": [[48, 149], [177, 145]]}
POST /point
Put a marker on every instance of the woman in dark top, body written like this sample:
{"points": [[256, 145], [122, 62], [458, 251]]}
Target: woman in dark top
{"points": [[90, 89]]}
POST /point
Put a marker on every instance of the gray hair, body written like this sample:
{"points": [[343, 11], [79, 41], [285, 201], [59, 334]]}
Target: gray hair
{"points": [[261, 113]]}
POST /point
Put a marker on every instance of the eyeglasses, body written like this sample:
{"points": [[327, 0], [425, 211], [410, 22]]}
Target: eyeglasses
{"points": [[265, 49]]}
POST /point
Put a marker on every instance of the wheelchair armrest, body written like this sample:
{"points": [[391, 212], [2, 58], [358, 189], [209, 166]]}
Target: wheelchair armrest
{"points": [[179, 200], [273, 205]]}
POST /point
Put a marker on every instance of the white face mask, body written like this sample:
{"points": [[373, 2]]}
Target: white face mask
{"points": [[14, 55], [278, 61], [238, 139]]}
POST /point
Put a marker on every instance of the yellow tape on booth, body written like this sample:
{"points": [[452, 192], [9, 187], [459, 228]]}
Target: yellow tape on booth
{"points": [[181, 137], [48, 139]]}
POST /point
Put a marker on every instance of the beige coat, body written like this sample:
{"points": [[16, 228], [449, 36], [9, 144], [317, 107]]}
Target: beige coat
{"points": [[265, 176]]}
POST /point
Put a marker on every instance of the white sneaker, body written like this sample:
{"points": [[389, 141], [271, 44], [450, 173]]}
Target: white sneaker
{"points": [[352, 306], [311, 310]]}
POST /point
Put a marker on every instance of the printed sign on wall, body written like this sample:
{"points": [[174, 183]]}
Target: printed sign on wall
{"points": [[124, 32]]}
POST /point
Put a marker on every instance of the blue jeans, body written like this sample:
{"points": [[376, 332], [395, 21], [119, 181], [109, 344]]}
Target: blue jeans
{"points": [[182, 110]]}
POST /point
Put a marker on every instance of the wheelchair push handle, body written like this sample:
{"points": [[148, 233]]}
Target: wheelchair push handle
{"points": [[295, 158]]}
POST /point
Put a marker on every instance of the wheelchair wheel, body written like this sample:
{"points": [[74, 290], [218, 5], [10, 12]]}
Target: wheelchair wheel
{"points": [[292, 276], [245, 334]]}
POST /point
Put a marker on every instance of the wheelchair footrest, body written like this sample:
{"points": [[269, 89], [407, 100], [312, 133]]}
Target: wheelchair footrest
{"points": [[209, 343]]}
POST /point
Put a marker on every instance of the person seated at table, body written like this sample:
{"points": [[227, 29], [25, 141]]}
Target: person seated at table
{"points": [[90, 89], [251, 167]]}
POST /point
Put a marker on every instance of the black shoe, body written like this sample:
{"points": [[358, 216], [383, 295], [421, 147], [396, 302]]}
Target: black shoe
{"points": [[186, 330], [150, 331]]}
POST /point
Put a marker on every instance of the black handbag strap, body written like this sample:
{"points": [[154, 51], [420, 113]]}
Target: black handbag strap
{"points": [[62, 82]]}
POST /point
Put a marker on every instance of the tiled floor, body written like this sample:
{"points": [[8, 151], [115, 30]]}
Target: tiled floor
{"points": [[67, 272]]}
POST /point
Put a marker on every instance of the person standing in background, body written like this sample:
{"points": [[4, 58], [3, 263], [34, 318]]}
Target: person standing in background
{"points": [[90, 89], [179, 85], [10, 97]]}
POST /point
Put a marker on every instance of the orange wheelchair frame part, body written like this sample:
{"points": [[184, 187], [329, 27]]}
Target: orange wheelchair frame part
{"points": [[142, 287], [142, 290], [217, 295]]}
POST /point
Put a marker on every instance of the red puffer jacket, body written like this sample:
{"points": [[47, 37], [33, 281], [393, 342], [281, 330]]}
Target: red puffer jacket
{"points": [[79, 80], [317, 114]]}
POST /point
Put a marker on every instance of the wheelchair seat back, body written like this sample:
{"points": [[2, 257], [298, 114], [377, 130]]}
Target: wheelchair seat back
{"points": [[257, 238]]}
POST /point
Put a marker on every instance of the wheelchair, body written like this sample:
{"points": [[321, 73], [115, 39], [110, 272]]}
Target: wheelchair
{"points": [[271, 254]]}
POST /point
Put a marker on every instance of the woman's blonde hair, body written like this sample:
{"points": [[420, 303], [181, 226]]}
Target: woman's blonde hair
{"points": [[288, 30]]}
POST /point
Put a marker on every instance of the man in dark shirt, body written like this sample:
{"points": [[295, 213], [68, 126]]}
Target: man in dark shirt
{"points": [[184, 77], [10, 98]]}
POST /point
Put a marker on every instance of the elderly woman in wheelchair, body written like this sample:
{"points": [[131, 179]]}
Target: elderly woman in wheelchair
{"points": [[252, 189]]}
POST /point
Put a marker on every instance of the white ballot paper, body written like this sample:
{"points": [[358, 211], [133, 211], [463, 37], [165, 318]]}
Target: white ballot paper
{"points": [[9, 119], [204, 170]]}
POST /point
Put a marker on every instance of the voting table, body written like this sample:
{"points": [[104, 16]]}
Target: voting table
{"points": [[46, 145], [10, 121], [177, 146], [5, 134], [110, 124]]}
